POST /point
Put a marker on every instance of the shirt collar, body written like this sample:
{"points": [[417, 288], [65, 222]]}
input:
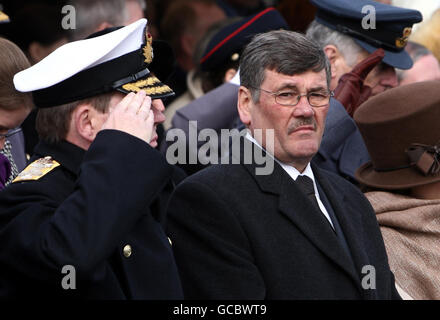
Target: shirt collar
{"points": [[291, 170], [236, 78]]}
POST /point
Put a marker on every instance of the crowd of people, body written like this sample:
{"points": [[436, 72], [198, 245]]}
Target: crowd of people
{"points": [[219, 149]]}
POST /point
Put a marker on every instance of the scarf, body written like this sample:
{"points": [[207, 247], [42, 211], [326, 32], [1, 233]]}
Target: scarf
{"points": [[7, 152], [5, 170], [411, 231]]}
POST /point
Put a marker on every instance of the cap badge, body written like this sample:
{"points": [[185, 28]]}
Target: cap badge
{"points": [[401, 41], [235, 56], [148, 48]]}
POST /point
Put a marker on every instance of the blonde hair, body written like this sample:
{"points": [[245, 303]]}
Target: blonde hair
{"points": [[428, 34], [13, 60]]}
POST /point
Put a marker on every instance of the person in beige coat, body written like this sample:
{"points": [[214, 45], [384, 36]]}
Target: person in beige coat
{"points": [[402, 180]]}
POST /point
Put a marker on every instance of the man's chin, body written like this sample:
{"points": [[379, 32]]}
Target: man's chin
{"points": [[297, 154], [153, 142], [304, 151]]}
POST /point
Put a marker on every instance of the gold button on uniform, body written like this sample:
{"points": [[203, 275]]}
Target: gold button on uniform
{"points": [[235, 57], [127, 251]]}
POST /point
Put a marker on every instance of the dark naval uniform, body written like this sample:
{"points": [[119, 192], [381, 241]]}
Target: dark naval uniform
{"points": [[99, 211]]}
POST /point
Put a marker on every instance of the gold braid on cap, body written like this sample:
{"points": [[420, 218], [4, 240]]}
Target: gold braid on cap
{"points": [[150, 91], [148, 48], [425, 158], [144, 83], [148, 85]]}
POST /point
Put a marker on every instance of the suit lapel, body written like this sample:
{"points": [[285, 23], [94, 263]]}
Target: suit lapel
{"points": [[314, 226], [350, 223], [296, 207]]}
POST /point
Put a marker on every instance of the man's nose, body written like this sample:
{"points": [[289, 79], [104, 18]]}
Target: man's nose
{"points": [[158, 105], [158, 108], [303, 108], [389, 79]]}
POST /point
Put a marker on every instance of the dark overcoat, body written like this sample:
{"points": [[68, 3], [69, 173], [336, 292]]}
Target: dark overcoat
{"points": [[99, 211], [239, 235]]}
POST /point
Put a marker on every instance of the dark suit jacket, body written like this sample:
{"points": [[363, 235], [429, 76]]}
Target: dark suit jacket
{"points": [[83, 213], [238, 235]]}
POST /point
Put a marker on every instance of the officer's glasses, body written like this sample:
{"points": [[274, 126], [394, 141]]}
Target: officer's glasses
{"points": [[4, 136], [288, 97]]}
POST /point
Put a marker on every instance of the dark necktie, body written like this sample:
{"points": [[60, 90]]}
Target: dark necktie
{"points": [[306, 186]]}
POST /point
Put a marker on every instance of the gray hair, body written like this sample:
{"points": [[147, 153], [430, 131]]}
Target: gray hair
{"points": [[282, 51], [323, 35], [91, 13]]}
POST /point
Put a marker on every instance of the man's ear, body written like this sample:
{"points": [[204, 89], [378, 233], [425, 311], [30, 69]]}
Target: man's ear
{"points": [[85, 122], [245, 105], [334, 55]]}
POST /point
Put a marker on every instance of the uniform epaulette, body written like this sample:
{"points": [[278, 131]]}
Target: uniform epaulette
{"points": [[37, 169], [3, 17]]}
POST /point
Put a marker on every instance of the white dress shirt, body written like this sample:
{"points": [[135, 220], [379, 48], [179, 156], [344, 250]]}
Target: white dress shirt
{"points": [[294, 173]]}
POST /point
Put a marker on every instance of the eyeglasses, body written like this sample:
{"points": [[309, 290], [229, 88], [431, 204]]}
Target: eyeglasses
{"points": [[9, 133], [290, 98]]}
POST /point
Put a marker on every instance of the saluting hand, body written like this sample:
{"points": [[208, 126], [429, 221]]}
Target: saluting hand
{"points": [[351, 91], [133, 115]]}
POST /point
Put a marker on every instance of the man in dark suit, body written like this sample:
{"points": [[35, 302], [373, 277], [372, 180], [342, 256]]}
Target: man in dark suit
{"points": [[297, 232], [339, 30], [84, 219]]}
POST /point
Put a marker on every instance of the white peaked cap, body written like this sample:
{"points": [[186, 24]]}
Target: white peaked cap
{"points": [[92, 66], [76, 56]]}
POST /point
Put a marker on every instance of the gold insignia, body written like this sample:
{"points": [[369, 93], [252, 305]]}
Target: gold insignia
{"points": [[3, 17], [235, 57], [37, 169], [146, 84], [151, 91], [401, 41], [148, 48]]}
